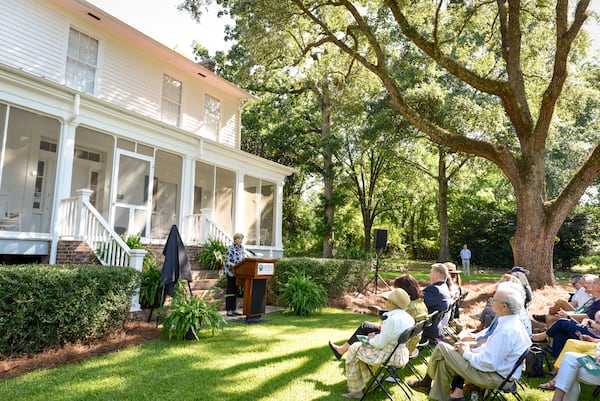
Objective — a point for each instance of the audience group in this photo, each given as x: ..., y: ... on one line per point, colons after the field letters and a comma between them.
x: 484, y: 358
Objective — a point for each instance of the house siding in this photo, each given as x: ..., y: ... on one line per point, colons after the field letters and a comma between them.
x: 43, y: 31
x: 35, y: 39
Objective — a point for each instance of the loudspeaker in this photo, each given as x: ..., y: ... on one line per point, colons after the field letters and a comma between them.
x: 380, y: 239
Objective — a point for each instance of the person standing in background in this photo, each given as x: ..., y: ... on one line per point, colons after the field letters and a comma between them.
x: 234, y: 255
x: 465, y: 256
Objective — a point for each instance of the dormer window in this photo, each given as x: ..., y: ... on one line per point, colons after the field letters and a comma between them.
x: 171, y: 100
x: 212, y: 116
x: 82, y: 62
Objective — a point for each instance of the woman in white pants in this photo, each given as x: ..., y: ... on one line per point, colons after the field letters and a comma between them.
x: 570, y: 374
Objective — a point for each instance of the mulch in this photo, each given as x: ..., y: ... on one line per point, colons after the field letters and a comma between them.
x: 139, y: 332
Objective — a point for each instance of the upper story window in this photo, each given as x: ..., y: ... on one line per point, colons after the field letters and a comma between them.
x: 171, y: 100
x: 82, y: 61
x: 212, y: 116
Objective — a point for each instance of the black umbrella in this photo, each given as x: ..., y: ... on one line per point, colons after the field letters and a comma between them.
x: 176, y: 265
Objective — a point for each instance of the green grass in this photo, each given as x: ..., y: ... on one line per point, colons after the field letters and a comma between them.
x: 284, y: 358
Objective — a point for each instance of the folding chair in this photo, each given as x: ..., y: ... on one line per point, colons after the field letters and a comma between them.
x: 395, y: 372
x: 379, y: 373
x: 508, y: 385
x: 421, y: 346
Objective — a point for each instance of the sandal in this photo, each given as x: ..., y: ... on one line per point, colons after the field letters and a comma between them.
x: 551, y: 385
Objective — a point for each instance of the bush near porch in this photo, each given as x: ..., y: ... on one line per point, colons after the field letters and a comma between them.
x: 337, y: 276
x: 47, y: 306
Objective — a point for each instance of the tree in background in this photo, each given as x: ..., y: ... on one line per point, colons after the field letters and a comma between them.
x: 498, y: 49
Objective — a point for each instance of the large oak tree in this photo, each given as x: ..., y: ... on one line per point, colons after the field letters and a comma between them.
x: 513, y: 54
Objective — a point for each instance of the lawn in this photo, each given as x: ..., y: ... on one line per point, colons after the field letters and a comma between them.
x: 284, y: 358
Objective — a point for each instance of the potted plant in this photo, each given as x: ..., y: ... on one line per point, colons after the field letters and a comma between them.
x: 212, y: 256
x: 186, y: 316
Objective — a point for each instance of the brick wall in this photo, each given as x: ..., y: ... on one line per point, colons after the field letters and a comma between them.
x: 74, y: 252
x: 77, y: 252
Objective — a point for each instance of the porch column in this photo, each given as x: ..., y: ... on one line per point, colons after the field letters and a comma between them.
x: 64, y: 171
x: 278, y: 216
x: 136, y: 261
x: 186, y: 205
x: 240, y: 195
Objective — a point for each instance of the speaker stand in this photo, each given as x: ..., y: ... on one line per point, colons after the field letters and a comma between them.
x: 376, y: 277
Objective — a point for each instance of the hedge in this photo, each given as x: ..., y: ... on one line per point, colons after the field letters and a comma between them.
x: 337, y: 276
x: 47, y: 306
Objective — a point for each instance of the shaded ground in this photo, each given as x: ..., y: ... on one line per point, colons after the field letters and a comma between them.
x: 137, y: 333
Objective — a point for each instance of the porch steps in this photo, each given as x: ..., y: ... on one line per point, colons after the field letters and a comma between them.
x: 203, y: 280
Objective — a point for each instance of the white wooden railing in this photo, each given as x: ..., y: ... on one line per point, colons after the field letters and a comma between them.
x: 78, y: 219
x: 201, y: 228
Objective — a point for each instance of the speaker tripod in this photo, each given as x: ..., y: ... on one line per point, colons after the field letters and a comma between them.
x: 375, y: 279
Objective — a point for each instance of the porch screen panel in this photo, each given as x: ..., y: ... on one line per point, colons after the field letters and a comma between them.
x: 132, y: 195
x: 224, y: 198
x: 267, y: 210
x: 165, y: 202
x: 204, y: 187
x: 251, y: 204
x: 28, y: 170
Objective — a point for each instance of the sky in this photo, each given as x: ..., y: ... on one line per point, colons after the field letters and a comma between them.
x: 161, y: 20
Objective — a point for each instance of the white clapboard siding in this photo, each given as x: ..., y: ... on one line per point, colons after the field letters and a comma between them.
x: 32, y: 38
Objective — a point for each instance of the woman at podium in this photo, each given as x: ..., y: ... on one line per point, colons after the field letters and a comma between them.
x: 234, y: 255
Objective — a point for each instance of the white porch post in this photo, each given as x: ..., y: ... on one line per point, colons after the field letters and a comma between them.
x: 64, y: 171
x: 187, y: 198
x: 136, y: 260
x: 238, y: 225
x: 204, y: 226
x: 279, y: 216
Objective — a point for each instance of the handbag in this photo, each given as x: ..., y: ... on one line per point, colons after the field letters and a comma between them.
x: 534, y: 362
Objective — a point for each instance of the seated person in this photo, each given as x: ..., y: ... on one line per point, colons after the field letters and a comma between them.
x: 579, y: 301
x: 488, y: 315
x: 570, y: 374
x: 416, y: 309
x: 585, y: 345
x: 572, y: 325
x: 380, y: 345
x: 454, y: 286
x: 485, y: 365
x: 437, y: 297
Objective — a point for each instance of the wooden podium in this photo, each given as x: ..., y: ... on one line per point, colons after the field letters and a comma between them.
x: 253, y: 273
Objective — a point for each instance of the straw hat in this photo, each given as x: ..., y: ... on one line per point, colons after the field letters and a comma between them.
x: 452, y: 268
x: 398, y: 297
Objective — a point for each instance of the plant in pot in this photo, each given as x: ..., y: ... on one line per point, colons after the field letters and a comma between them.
x: 212, y: 256
x: 185, y: 316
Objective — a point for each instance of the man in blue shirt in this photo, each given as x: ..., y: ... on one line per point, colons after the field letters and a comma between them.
x: 465, y: 256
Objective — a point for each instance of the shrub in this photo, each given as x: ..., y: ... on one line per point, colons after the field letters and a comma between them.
x: 47, y: 306
x: 302, y: 295
x: 150, y: 288
x: 213, y: 255
x: 185, y: 316
x: 337, y: 276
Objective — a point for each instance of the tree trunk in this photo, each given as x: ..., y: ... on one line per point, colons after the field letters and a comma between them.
x: 328, y: 171
x: 444, y: 254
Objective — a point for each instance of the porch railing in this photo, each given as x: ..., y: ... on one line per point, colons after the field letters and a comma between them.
x: 79, y: 219
x: 202, y: 228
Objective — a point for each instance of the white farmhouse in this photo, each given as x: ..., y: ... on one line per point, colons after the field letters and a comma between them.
x: 105, y: 131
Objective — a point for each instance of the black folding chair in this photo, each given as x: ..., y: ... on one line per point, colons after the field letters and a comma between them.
x: 396, y: 372
x: 508, y: 385
x: 380, y: 372
x: 421, y: 346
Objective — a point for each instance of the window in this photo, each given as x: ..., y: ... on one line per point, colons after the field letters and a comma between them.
x: 171, y: 100
x: 212, y: 116
x: 82, y: 61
